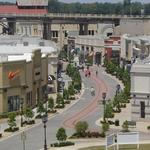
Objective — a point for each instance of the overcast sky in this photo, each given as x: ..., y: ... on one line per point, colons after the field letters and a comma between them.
x: 85, y: 1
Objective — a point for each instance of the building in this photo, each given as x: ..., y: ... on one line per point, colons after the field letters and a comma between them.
x: 24, y: 69
x: 113, y: 48
x: 134, y: 27
x: 140, y: 90
x: 133, y: 47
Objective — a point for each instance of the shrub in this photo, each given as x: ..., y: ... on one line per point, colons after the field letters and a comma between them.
x: 61, y: 144
x: 29, y: 122
x: 12, y: 120
x: 81, y: 128
x: 52, y: 111
x: 125, y: 126
x: 29, y: 114
x: 11, y: 129
x: 61, y: 135
x: 72, y: 98
x: 51, y: 103
x: 67, y: 102
x: 148, y: 127
x: 59, y: 106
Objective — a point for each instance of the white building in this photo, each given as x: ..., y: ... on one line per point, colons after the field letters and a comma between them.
x: 140, y: 90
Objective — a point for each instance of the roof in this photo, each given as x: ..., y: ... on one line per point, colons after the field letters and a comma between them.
x: 32, y: 2
x: 13, y: 9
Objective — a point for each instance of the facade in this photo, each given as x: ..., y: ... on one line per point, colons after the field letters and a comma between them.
x: 113, y: 48
x: 140, y: 90
x: 133, y: 47
x: 92, y: 46
x: 25, y: 64
x: 23, y: 79
x: 134, y: 27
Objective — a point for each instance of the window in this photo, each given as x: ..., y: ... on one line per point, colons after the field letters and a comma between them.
x: 13, y: 103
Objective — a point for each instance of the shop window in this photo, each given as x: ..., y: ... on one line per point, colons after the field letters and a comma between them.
x: 13, y: 103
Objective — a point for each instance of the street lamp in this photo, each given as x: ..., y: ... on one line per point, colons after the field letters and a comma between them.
x: 44, y: 120
x: 46, y: 96
x: 117, y: 88
x: 21, y: 106
x: 104, y: 102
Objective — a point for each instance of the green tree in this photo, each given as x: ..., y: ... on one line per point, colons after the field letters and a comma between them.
x: 105, y: 127
x: 71, y: 90
x: 60, y: 100
x: 12, y: 120
x: 29, y: 114
x: 51, y: 103
x: 109, y: 111
x: 66, y: 94
x: 61, y: 135
x: 81, y: 128
x: 40, y: 108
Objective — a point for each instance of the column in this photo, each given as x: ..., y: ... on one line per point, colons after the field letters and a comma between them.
x: 46, y: 30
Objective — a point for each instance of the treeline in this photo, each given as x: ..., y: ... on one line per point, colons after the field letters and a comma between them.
x: 127, y: 7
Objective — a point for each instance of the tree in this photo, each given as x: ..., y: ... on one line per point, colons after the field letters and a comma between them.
x: 29, y: 114
x: 81, y: 128
x: 12, y: 120
x: 109, y: 110
x: 61, y: 135
x: 60, y: 100
x: 41, y: 108
x: 66, y: 94
x: 51, y: 103
x: 71, y: 90
x: 105, y: 127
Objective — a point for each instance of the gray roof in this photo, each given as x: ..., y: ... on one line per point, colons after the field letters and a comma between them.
x: 32, y: 2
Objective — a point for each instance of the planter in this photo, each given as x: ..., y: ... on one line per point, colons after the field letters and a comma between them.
x: 11, y: 130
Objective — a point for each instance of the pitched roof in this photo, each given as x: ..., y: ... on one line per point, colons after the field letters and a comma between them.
x: 13, y: 9
x: 32, y: 2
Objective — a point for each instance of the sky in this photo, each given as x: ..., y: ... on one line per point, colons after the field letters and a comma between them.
x: 88, y: 1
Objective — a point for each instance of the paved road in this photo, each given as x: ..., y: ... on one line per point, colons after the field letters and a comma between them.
x: 85, y: 109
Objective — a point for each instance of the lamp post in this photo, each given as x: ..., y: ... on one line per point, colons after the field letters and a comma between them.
x: 46, y: 98
x: 21, y: 106
x: 104, y: 102
x: 44, y: 120
x: 117, y: 88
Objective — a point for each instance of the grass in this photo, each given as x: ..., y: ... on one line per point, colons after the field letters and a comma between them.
x: 123, y: 147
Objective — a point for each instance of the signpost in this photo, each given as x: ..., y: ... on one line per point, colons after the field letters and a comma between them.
x: 23, y: 138
x: 110, y: 141
x: 122, y: 138
x: 127, y: 139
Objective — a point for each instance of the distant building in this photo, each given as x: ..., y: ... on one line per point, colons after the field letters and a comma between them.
x: 113, y: 48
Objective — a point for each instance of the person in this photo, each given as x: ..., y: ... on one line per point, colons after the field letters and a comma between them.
x: 89, y: 73
x: 96, y: 72
x: 92, y: 91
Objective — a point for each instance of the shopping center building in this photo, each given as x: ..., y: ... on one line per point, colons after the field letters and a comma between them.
x: 24, y: 64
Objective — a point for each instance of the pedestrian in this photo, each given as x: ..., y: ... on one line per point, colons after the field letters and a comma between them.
x: 82, y: 68
x: 89, y: 73
x: 96, y: 72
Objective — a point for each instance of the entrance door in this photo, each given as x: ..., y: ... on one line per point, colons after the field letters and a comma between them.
x: 142, y: 109
x: 98, y: 58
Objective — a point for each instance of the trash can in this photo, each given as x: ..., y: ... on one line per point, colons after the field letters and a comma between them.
x: 116, y: 122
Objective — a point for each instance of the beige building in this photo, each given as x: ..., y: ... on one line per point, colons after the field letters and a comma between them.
x: 134, y: 27
x: 24, y: 69
x: 25, y: 79
x: 140, y: 90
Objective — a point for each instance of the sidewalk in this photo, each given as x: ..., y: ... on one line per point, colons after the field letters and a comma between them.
x: 4, y: 124
x: 125, y: 114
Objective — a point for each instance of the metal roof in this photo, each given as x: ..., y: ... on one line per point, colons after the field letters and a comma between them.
x: 32, y: 2
x: 13, y: 9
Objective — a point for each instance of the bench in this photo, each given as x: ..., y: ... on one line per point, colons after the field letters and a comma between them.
x: 132, y: 124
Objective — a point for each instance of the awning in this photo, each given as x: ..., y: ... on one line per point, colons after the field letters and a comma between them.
x: 51, y: 78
